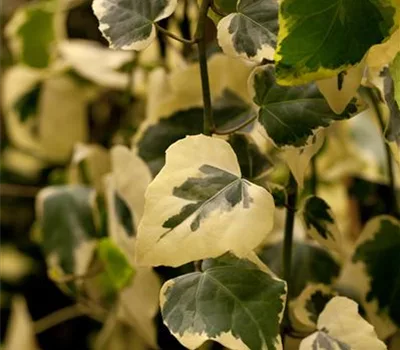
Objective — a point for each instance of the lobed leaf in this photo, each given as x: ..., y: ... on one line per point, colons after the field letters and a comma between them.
x: 251, y: 31
x: 373, y: 273
x: 232, y: 301
x: 341, y: 327
x: 129, y: 24
x: 319, y: 39
x: 198, y: 206
x: 290, y: 115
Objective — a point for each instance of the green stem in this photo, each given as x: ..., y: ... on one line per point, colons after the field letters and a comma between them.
x: 208, y: 121
x: 288, y: 243
x: 176, y: 37
x: 57, y: 317
x: 236, y: 127
x: 374, y: 103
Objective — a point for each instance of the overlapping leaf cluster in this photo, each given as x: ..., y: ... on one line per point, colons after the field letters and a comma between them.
x: 289, y: 81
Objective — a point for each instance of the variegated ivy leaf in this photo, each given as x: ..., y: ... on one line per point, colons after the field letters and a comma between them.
x: 231, y: 301
x: 251, y: 31
x: 342, y: 88
x: 320, y: 224
x: 319, y: 39
x: 198, y: 206
x: 69, y: 236
x: 310, y: 265
x: 373, y: 272
x: 95, y: 62
x: 290, y: 115
x: 298, y: 158
x: 305, y: 309
x: 341, y: 327
x: 57, y: 101
x: 129, y: 24
x: 138, y: 301
x: 125, y: 198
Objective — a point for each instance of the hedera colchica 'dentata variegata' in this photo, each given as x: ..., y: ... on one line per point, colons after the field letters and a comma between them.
x: 250, y: 252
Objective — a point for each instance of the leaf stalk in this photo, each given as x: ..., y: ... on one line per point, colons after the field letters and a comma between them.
x: 373, y: 101
x: 208, y: 121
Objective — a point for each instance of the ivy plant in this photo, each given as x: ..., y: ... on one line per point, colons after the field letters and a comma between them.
x: 218, y: 196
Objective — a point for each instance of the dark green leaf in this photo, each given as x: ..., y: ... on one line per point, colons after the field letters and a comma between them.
x: 322, y: 38
x: 290, y: 115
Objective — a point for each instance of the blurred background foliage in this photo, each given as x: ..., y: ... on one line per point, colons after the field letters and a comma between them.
x: 108, y: 111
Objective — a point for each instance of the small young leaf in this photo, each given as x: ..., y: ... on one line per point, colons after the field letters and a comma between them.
x: 251, y: 31
x: 232, y: 302
x: 319, y: 39
x: 290, y: 115
x: 117, y: 267
x: 341, y: 327
x: 321, y: 225
x: 129, y: 24
x: 198, y: 206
